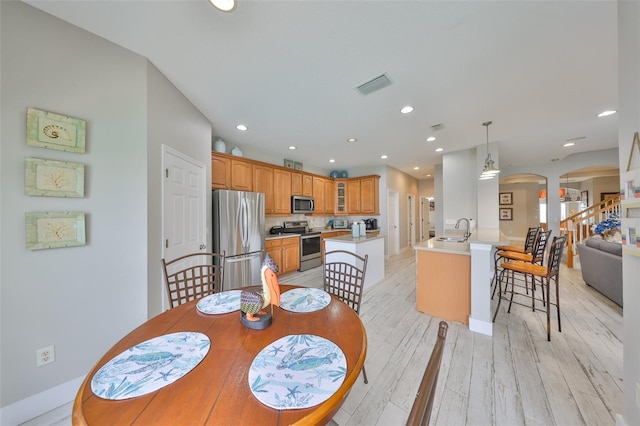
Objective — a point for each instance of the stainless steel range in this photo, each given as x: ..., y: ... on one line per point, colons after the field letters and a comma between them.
x: 310, y: 253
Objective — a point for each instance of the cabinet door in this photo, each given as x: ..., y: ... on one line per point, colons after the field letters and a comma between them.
x: 369, y: 195
x: 307, y: 185
x: 274, y: 249
x: 220, y: 172
x: 329, y: 196
x: 341, y: 197
x: 290, y: 254
x: 282, y: 191
x: 296, y: 183
x: 318, y: 194
x: 241, y: 175
x: 263, y: 182
x: 353, y: 196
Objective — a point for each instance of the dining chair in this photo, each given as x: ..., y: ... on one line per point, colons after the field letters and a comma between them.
x: 421, y: 408
x: 193, y: 276
x: 344, y: 274
x: 548, y: 275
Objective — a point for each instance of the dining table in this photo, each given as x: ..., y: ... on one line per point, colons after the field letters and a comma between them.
x: 217, y: 390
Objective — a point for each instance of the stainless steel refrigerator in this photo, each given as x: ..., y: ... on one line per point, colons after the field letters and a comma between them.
x: 238, y: 230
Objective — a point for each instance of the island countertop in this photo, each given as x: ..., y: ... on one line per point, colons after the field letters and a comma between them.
x: 351, y: 239
x: 478, y: 236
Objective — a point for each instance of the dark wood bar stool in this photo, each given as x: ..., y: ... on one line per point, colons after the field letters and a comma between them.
x: 506, y: 251
x: 548, y: 276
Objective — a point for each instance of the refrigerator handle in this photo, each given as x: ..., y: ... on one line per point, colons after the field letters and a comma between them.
x: 245, y: 224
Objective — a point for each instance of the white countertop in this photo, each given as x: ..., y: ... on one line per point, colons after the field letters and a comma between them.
x: 478, y: 236
x: 350, y: 239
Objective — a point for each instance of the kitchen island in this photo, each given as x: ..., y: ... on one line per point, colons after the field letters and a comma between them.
x: 371, y: 245
x: 453, y: 279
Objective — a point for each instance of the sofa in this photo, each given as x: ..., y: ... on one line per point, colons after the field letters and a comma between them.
x: 601, y: 263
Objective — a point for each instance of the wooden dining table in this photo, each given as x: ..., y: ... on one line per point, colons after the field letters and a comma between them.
x: 217, y: 390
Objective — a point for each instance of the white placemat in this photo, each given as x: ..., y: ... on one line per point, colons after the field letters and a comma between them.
x: 304, y: 299
x: 297, y: 371
x: 150, y: 365
x: 220, y: 303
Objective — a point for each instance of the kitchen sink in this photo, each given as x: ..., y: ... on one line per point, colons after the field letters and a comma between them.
x: 453, y: 239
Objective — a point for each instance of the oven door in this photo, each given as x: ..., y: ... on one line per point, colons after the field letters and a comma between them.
x: 309, y: 247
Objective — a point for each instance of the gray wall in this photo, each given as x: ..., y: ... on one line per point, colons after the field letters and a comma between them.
x: 81, y: 299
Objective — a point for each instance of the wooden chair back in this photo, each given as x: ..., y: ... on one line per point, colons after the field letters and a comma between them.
x: 421, y: 409
x: 344, y: 274
x: 193, y: 276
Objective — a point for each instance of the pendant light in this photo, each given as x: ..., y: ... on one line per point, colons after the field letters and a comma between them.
x: 489, y: 171
x: 567, y: 196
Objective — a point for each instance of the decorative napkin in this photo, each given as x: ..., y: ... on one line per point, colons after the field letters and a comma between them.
x: 220, y: 303
x: 304, y: 300
x: 150, y: 365
x: 297, y: 371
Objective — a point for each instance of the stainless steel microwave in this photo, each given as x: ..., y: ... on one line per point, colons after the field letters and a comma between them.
x: 301, y: 204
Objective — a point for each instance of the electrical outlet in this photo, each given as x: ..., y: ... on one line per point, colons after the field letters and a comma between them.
x: 45, y: 356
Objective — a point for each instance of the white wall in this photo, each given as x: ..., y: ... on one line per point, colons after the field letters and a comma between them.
x: 80, y: 299
x: 526, y: 209
x: 629, y: 123
x: 459, y: 186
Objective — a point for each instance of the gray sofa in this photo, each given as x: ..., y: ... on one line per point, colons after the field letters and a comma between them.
x: 601, y: 263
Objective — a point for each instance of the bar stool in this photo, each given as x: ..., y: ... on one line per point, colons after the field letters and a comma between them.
x: 500, y: 252
x: 548, y: 275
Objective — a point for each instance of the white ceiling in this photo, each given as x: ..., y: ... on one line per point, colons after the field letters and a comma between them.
x: 540, y: 70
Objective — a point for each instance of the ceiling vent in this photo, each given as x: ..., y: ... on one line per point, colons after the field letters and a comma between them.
x: 437, y: 127
x: 374, y: 84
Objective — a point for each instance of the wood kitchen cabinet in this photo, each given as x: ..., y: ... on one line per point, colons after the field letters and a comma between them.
x: 301, y: 184
x: 369, y: 203
x: 285, y: 252
x: 307, y: 185
x: 329, y: 196
x: 318, y: 195
x: 330, y: 234
x: 241, y: 175
x: 340, y: 207
x: 353, y: 196
x: 220, y: 172
x: 282, y: 185
x: 263, y: 182
x: 296, y: 183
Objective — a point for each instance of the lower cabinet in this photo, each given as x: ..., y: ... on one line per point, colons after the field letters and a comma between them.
x: 330, y: 234
x: 285, y: 252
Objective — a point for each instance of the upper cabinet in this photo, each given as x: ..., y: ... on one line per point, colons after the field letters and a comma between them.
x: 353, y: 196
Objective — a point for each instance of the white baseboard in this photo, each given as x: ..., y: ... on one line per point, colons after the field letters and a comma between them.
x: 40, y: 403
x: 482, y: 327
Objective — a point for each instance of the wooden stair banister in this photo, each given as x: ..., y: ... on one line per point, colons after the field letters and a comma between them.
x: 578, y: 226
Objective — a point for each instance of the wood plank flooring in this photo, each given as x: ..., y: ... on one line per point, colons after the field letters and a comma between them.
x: 515, y: 377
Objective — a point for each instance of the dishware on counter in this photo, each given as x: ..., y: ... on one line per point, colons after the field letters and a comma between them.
x: 363, y: 229
x: 355, y: 230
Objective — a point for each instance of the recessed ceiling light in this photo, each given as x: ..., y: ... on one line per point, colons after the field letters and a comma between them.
x: 292, y: 147
x: 384, y: 157
x: 416, y: 168
x: 606, y: 113
x: 439, y: 149
x: 406, y: 109
x: 332, y: 161
x: 352, y: 140
x: 568, y: 144
x: 224, y: 5
x: 241, y: 127
x: 431, y: 138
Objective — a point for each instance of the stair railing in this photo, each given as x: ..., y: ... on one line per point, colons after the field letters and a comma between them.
x: 579, y: 226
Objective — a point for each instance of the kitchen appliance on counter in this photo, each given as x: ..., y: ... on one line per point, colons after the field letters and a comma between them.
x: 238, y: 230
x: 371, y: 224
x: 310, y: 252
x: 276, y: 230
x: 301, y: 204
x: 340, y: 224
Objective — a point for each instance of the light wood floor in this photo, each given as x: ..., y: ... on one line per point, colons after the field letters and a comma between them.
x: 515, y: 377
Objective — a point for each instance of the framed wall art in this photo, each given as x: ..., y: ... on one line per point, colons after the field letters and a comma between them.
x: 48, y: 178
x: 506, y: 213
x: 584, y: 196
x: 288, y: 163
x: 55, y: 131
x: 45, y: 230
x: 297, y: 166
x: 506, y: 198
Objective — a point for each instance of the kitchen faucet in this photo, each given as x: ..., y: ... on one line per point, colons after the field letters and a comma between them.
x: 467, y: 233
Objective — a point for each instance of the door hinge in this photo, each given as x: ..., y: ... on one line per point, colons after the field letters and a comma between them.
x: 166, y: 243
x: 166, y: 172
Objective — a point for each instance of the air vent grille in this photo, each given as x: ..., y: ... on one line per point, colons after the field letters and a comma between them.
x: 374, y: 84
x: 437, y: 127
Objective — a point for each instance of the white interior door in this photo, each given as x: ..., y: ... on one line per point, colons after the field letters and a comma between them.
x: 411, y: 219
x: 424, y: 218
x: 393, y: 231
x: 184, y: 206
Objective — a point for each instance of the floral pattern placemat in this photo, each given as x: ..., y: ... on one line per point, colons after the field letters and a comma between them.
x: 297, y: 371
x: 220, y: 303
x: 150, y: 365
x: 304, y: 299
